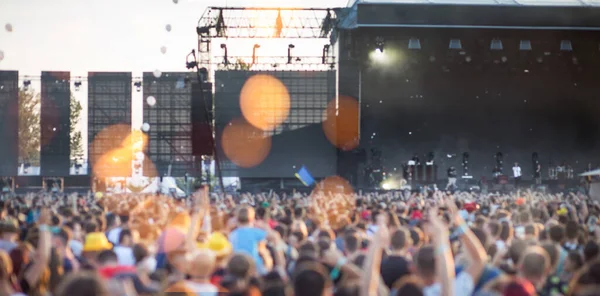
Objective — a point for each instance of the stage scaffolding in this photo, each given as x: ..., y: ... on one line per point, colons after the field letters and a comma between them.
x: 109, y: 103
x: 170, y: 134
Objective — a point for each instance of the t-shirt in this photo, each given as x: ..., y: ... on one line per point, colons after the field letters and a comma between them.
x: 463, y: 285
x: 517, y: 171
x: 393, y: 268
x: 554, y: 286
x: 113, y: 235
x: 76, y: 247
x: 7, y: 246
x: 247, y: 240
x: 202, y: 289
x: 125, y: 255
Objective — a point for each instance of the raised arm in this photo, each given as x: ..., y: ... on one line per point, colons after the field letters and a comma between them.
x: 443, y: 254
x: 42, y: 254
x: 370, y: 280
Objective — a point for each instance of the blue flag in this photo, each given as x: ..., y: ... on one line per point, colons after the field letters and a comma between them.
x: 305, y: 177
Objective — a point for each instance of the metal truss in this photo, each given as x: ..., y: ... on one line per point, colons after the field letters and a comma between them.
x: 282, y: 23
x: 280, y: 63
x: 170, y: 135
x: 109, y: 103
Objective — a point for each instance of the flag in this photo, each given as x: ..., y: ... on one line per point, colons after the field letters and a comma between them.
x: 305, y: 177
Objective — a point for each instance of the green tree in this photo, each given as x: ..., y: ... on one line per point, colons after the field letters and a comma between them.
x: 76, y: 142
x: 29, y: 126
x: 241, y: 65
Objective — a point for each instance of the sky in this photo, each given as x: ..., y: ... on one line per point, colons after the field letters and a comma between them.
x: 118, y: 35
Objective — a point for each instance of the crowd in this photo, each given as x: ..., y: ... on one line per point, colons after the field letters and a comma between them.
x: 326, y: 243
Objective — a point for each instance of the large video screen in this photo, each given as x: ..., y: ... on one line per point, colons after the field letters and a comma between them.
x: 299, y: 140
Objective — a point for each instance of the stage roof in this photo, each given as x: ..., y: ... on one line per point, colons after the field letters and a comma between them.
x: 482, y: 14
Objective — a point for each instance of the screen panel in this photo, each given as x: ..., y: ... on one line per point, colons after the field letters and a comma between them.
x: 9, y: 122
x: 299, y: 140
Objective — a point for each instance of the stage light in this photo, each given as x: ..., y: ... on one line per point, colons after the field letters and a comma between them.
x: 138, y: 86
x: 26, y: 84
x: 77, y: 85
x: 325, y: 53
x: 414, y: 43
x: 379, y: 43
x: 496, y: 44
x: 225, y: 59
x: 455, y: 44
x: 565, y: 45
x: 525, y: 45
x: 256, y: 46
x: 290, y: 47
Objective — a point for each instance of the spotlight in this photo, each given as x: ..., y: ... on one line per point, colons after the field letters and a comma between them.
x: 225, y: 59
x: 565, y: 45
x: 26, y: 84
x: 290, y: 47
x: 77, y: 85
x: 379, y: 43
x: 455, y: 44
x: 414, y: 43
x: 496, y: 44
x: 525, y: 45
x: 325, y: 53
x: 138, y: 86
x: 256, y: 46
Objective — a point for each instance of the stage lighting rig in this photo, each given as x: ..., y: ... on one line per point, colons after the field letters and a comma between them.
x: 26, y: 84
x: 77, y: 85
x: 256, y: 46
x: 225, y: 58
x: 325, y: 53
x: 290, y: 47
x: 138, y: 86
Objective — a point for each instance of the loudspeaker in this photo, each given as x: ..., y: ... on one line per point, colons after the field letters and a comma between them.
x: 202, y: 106
x: 55, y: 124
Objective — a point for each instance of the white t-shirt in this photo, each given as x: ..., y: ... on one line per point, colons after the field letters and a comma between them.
x: 202, y: 289
x: 517, y: 171
x: 113, y: 235
x: 76, y: 247
x: 125, y: 256
x: 463, y: 285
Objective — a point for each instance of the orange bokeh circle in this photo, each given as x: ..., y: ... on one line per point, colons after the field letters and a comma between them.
x: 265, y: 101
x: 334, y: 185
x: 341, y: 124
x: 114, y: 163
x: 108, y: 139
x: 244, y: 144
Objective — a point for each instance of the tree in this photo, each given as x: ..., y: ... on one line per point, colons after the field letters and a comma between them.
x: 241, y: 65
x: 29, y: 126
x: 76, y: 143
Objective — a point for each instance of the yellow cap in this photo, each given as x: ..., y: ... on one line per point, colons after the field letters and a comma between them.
x: 95, y: 242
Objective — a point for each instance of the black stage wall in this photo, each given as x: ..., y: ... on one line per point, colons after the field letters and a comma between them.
x: 109, y: 103
x: 482, y: 101
x: 9, y: 122
x: 169, y: 138
x: 299, y: 140
x: 55, y: 124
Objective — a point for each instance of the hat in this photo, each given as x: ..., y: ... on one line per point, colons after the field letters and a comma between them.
x: 520, y: 201
x: 265, y: 204
x: 95, y: 242
x: 562, y: 211
x: 218, y: 243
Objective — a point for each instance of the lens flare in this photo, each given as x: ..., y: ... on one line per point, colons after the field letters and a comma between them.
x: 115, y: 163
x: 244, y: 144
x: 265, y: 102
x: 108, y: 139
x: 341, y: 123
x: 137, y: 140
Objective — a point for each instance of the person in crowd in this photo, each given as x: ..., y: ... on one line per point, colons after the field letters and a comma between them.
x: 124, y: 249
